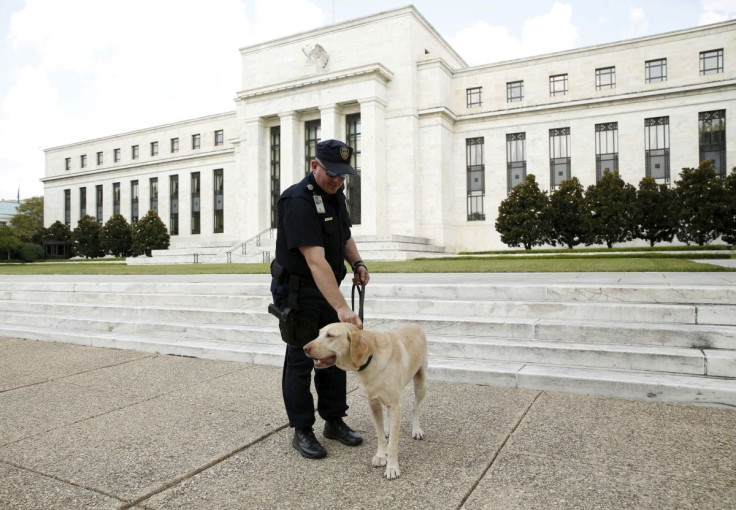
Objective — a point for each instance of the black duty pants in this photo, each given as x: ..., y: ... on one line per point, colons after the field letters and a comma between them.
x: 330, y: 383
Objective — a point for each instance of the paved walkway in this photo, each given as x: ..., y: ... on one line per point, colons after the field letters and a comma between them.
x: 91, y: 428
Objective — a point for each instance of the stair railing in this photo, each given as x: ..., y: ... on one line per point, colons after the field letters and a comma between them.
x: 242, y: 246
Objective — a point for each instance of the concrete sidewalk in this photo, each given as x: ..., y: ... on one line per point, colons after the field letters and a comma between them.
x: 84, y: 427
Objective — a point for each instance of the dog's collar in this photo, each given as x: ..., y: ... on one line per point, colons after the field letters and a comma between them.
x: 364, y: 365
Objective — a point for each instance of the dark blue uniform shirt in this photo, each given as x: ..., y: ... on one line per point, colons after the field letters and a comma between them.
x: 300, y: 224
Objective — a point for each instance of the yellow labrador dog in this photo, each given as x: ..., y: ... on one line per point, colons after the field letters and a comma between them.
x: 384, y: 362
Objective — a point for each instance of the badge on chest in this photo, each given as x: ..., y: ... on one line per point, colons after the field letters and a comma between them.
x: 319, y: 204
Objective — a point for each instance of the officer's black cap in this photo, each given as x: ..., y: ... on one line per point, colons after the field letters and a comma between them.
x: 335, y: 156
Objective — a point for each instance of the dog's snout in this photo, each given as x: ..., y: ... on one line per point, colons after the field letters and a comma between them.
x: 308, y: 348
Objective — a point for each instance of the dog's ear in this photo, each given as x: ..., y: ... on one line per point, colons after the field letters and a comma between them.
x: 358, y: 347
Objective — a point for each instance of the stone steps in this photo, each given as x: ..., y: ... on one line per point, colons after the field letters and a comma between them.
x: 666, y: 343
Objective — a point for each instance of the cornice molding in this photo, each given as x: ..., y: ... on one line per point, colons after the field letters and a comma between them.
x: 372, y: 70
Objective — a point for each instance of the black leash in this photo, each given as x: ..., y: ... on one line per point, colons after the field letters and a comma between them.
x: 361, y: 299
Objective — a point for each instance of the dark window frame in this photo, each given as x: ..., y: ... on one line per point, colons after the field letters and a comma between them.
x: 474, y: 97
x: 514, y: 91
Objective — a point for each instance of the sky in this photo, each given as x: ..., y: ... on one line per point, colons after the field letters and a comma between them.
x: 76, y: 70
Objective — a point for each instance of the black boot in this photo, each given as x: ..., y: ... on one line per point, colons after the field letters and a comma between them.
x: 306, y: 444
x: 336, y: 429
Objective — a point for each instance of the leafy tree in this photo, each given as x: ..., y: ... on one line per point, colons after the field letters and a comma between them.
x: 59, y: 233
x: 703, y: 204
x: 116, y: 236
x: 149, y: 233
x: 729, y: 223
x: 568, y: 213
x: 523, y: 218
x: 610, y: 204
x: 86, y: 238
x: 656, y: 211
x: 28, y: 223
x: 9, y: 241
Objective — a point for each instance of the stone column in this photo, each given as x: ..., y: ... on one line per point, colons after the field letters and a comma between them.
x: 292, y: 149
x: 375, y: 206
x: 332, y: 122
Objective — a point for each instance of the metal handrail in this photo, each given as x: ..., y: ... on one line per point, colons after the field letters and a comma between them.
x: 242, y: 245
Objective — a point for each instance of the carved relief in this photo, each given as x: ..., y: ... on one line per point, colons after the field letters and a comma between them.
x: 316, y: 56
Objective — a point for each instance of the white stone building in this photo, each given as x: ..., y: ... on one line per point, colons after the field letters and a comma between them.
x: 439, y: 144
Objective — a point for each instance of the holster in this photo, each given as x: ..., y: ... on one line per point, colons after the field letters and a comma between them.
x: 296, y: 328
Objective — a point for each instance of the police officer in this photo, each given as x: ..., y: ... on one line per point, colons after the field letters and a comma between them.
x: 312, y: 244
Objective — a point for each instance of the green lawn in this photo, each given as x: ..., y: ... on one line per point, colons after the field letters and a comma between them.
x: 543, y: 264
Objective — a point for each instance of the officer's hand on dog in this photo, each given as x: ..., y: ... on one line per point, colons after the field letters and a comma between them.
x: 347, y: 315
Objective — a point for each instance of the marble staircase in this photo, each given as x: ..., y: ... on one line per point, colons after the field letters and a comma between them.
x: 652, y: 342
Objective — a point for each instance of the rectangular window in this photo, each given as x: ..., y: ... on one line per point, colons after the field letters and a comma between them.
x: 514, y: 91
x: 153, y: 188
x: 657, y: 148
x: 174, y: 205
x: 605, y: 78
x: 67, y: 207
x: 196, y: 140
x: 559, y: 156
x: 98, y: 202
x: 219, y: 189
x: 712, y: 136
x: 195, y: 203
x: 219, y: 137
x: 83, y: 160
x: 655, y: 70
x: 133, y: 201
x: 99, y: 158
x: 275, y: 174
x: 558, y: 85
x: 606, y: 149
x: 68, y: 163
x: 116, y: 198
x: 476, y: 183
x: 174, y: 145
x: 515, y: 159
x: 711, y: 62
x: 116, y: 155
x: 134, y: 152
x: 473, y: 97
x: 352, y: 183
x: 312, y: 130
x: 154, y: 148
x: 82, y: 202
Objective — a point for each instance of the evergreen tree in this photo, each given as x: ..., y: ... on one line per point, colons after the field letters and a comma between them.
x: 729, y: 223
x: 656, y: 212
x: 86, y: 238
x: 59, y: 233
x: 568, y: 213
x: 703, y: 204
x: 116, y: 236
x: 149, y: 233
x: 610, y: 205
x: 523, y: 218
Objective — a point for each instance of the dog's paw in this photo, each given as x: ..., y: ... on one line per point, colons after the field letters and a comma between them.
x: 379, y: 461
x: 392, y: 472
x: 417, y: 433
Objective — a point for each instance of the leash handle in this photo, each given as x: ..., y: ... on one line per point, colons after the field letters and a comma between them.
x: 361, y: 299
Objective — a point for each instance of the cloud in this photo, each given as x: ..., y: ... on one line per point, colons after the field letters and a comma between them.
x: 638, y: 25
x: 86, y: 68
x: 715, y: 11
x: 483, y: 43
